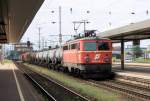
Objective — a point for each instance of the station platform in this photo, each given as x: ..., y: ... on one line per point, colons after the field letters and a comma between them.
x: 14, y: 86
x: 137, y: 70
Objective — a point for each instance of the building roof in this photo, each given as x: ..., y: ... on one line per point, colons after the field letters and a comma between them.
x: 15, y: 17
x: 135, y: 31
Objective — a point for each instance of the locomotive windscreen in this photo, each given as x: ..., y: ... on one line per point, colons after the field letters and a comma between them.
x: 103, y: 46
x: 90, y: 46
x: 96, y: 46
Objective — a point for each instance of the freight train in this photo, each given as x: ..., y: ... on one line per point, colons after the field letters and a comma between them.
x: 89, y: 57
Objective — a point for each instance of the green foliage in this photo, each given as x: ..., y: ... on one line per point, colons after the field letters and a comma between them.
x: 139, y: 60
x: 74, y: 83
x: 128, y: 53
x: 137, y: 51
x: 117, y: 56
x: 13, y: 55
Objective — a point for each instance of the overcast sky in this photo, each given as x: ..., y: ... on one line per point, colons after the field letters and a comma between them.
x: 102, y: 14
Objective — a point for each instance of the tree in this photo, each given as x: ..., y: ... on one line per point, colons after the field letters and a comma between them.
x: 137, y: 51
x: 13, y: 55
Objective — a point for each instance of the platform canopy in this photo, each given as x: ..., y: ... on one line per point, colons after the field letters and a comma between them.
x: 15, y: 17
x: 134, y: 31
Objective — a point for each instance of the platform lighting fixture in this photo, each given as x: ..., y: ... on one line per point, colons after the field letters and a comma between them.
x: 109, y: 23
x: 147, y: 12
x: 71, y: 10
x: 60, y: 33
x: 53, y: 22
x: 52, y: 11
x: 88, y: 11
x: 132, y: 12
x: 109, y: 12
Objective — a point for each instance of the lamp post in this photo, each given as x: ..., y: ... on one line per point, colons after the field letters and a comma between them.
x: 60, y: 32
x: 39, y: 29
x: 110, y: 18
x: 133, y: 13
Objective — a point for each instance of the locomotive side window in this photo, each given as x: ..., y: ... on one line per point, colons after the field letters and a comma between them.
x: 103, y: 46
x: 78, y: 46
x: 73, y: 46
x: 65, y: 47
x: 90, y: 46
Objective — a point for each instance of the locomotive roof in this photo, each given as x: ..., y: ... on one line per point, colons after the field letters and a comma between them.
x: 88, y: 38
x: 93, y: 38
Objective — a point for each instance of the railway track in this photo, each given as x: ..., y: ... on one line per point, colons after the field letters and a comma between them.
x: 145, y: 83
x: 137, y: 92
x: 52, y: 89
x: 138, y: 89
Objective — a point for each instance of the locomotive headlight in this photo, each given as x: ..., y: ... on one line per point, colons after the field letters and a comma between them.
x: 87, y: 58
x: 106, y: 60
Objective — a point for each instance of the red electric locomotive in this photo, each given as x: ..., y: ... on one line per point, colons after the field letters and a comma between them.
x: 25, y: 57
x: 89, y: 56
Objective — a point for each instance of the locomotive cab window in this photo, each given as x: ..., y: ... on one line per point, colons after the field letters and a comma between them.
x: 73, y: 46
x: 90, y: 46
x: 65, y: 47
x: 103, y: 46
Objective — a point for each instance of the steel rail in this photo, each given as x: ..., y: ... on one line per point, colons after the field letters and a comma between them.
x: 50, y: 97
x: 53, y: 81
x: 124, y: 88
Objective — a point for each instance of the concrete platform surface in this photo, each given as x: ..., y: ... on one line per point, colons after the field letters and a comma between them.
x: 133, y: 64
x: 139, y: 70
x: 14, y: 86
